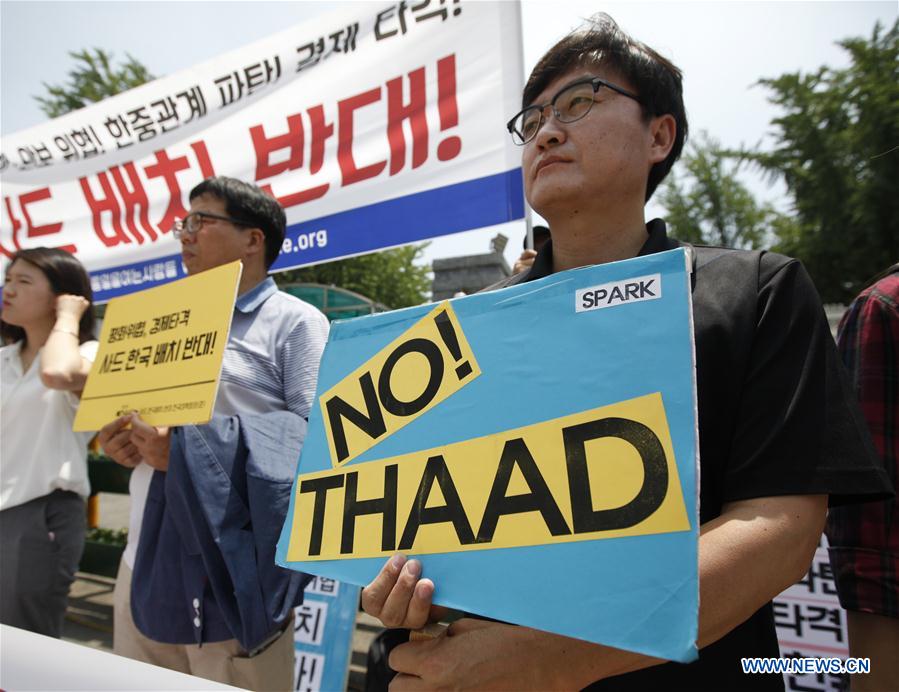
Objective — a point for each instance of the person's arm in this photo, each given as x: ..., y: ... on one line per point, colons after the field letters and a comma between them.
x: 62, y: 365
x: 748, y: 555
x: 300, y: 358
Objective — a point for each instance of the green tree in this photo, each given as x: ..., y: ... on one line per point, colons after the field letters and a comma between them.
x: 836, y: 146
x: 391, y: 277
x: 705, y: 202
x: 93, y: 78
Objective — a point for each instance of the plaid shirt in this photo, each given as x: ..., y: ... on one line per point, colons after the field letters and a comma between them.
x: 864, y: 538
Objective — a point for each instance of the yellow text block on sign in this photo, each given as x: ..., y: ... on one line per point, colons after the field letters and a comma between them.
x: 604, y: 473
x: 161, y: 352
x: 426, y: 364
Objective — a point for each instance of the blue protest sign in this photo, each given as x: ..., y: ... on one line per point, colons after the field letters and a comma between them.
x: 323, y: 635
x: 534, y: 447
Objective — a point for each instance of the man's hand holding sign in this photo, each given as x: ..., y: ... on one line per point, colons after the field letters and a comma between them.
x: 129, y: 440
x: 159, y: 362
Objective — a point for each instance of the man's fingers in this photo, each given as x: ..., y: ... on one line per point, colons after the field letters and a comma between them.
x: 110, y: 429
x: 140, y: 437
x: 375, y: 594
x: 406, y: 683
x: 144, y: 446
x: 464, y: 625
x: 131, y: 458
x: 122, y: 449
x: 146, y: 434
x: 142, y: 429
x: 113, y: 444
x: 396, y: 611
x: 419, y: 611
x: 397, y: 596
x: 407, y: 658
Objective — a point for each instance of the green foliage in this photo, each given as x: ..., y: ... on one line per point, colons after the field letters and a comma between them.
x: 93, y: 78
x: 836, y: 146
x: 706, y: 203
x: 108, y: 536
x: 390, y: 277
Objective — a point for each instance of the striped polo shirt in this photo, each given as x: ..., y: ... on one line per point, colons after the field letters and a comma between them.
x: 274, y: 348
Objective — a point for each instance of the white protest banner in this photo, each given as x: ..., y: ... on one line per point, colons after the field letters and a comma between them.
x: 374, y: 126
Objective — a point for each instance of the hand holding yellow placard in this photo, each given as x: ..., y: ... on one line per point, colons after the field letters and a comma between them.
x: 161, y: 352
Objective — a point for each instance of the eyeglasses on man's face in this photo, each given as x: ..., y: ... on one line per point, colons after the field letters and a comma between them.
x: 571, y: 103
x: 191, y: 224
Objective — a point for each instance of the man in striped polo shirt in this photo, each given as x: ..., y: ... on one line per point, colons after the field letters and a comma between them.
x: 270, y: 365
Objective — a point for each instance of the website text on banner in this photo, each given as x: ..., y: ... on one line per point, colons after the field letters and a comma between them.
x: 436, y: 433
x: 161, y: 352
x: 374, y: 126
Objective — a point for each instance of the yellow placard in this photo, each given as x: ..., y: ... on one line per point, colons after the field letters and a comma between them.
x: 161, y: 352
x: 426, y: 364
x: 604, y: 473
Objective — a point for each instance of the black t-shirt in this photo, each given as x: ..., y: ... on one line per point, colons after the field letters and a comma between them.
x: 776, y: 417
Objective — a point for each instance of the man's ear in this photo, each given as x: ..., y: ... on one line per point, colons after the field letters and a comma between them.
x: 662, y: 129
x: 255, y: 242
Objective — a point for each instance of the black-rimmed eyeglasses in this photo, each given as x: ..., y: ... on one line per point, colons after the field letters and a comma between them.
x: 192, y: 223
x: 571, y: 103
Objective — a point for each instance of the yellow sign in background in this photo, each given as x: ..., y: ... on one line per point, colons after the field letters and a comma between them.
x: 426, y: 364
x: 603, y: 473
x: 161, y: 352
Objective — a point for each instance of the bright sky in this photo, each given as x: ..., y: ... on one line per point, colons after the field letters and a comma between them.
x: 723, y: 48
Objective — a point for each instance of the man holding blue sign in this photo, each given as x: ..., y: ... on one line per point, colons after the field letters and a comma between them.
x: 602, y: 124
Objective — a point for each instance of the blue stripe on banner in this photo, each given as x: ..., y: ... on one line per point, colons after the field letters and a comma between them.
x: 465, y: 206
x: 461, y: 207
x: 129, y: 278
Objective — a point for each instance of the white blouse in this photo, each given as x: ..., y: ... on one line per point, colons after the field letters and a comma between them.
x: 39, y: 453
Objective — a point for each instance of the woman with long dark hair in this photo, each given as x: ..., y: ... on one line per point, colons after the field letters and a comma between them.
x: 47, y: 325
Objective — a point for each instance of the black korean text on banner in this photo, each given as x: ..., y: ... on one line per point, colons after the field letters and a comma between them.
x: 604, y: 473
x: 429, y: 362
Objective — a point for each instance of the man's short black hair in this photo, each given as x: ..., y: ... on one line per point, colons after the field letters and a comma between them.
x: 657, y: 80
x: 248, y: 203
